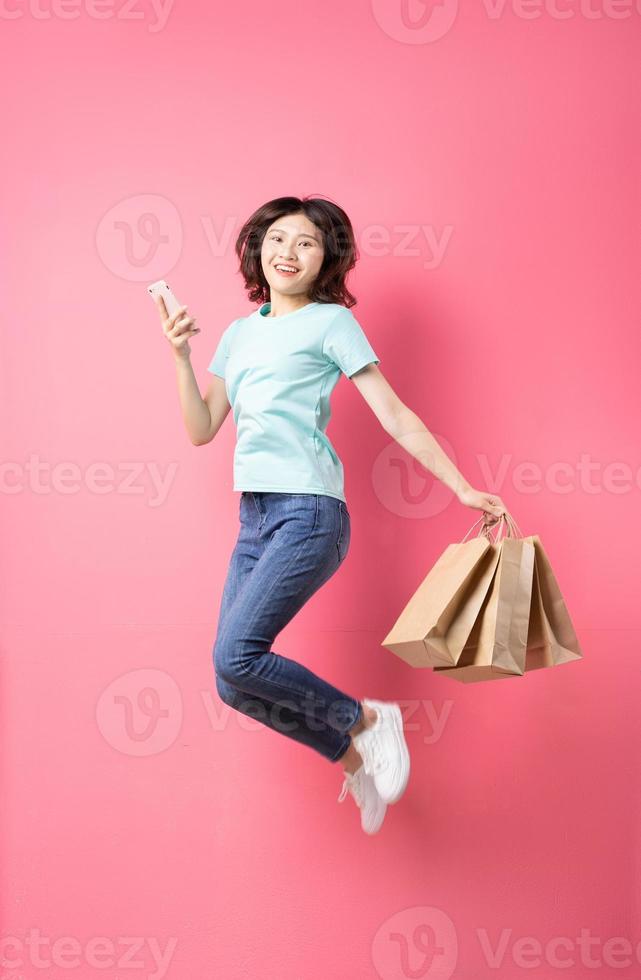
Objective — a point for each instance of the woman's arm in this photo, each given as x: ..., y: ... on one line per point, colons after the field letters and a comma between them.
x: 203, y: 417
x: 406, y: 428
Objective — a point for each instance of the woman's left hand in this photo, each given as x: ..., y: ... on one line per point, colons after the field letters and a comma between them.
x: 490, y: 503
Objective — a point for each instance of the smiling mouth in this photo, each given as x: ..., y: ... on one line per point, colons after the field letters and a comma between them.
x: 286, y: 270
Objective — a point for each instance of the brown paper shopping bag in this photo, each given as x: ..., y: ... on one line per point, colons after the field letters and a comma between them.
x: 551, y: 636
x: 496, y: 647
x: 436, y: 622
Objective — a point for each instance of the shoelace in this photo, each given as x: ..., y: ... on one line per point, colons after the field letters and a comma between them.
x: 351, y: 783
x: 371, y: 752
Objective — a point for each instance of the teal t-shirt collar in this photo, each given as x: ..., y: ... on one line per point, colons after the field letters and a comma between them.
x: 266, y: 308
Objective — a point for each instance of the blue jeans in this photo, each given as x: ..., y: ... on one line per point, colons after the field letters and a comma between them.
x: 289, y: 544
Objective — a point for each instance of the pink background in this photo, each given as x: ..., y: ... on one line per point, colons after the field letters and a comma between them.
x: 135, y: 803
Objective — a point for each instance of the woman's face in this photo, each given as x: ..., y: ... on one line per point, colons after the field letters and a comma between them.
x: 294, y: 241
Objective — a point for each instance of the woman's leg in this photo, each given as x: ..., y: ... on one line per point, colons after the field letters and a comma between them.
x: 288, y: 546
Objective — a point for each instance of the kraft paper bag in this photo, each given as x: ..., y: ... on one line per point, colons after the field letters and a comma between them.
x: 497, y: 645
x: 551, y: 636
x: 436, y: 622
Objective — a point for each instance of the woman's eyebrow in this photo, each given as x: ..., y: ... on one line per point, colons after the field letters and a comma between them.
x: 303, y: 234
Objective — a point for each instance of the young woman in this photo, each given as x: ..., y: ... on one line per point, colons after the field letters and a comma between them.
x: 276, y: 368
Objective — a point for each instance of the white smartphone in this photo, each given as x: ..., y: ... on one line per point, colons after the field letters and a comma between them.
x: 161, y: 288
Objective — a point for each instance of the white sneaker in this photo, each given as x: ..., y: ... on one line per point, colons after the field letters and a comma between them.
x: 361, y: 785
x: 384, y: 750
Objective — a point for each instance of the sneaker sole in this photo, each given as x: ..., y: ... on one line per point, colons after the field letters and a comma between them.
x: 377, y: 822
x: 376, y: 827
x: 394, y: 711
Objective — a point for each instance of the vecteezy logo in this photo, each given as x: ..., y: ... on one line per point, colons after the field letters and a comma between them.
x: 418, y: 943
x: 415, y: 21
x: 140, y: 713
x: 140, y: 238
x: 407, y: 486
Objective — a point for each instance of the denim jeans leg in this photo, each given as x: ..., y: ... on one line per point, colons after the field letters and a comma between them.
x: 271, y: 704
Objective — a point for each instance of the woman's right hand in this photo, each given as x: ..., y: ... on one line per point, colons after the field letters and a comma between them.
x: 177, y: 328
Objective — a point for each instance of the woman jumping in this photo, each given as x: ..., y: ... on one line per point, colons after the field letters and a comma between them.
x: 276, y: 368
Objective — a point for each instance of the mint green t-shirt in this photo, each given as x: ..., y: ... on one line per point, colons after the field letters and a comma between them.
x: 279, y: 375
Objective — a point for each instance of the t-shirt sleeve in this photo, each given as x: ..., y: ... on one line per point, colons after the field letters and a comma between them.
x: 218, y: 361
x: 346, y: 345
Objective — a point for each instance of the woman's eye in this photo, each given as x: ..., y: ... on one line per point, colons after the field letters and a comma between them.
x: 276, y: 238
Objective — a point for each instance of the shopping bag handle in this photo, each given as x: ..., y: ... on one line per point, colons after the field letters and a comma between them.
x: 511, y: 528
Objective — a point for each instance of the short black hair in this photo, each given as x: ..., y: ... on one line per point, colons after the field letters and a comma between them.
x: 339, y: 244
